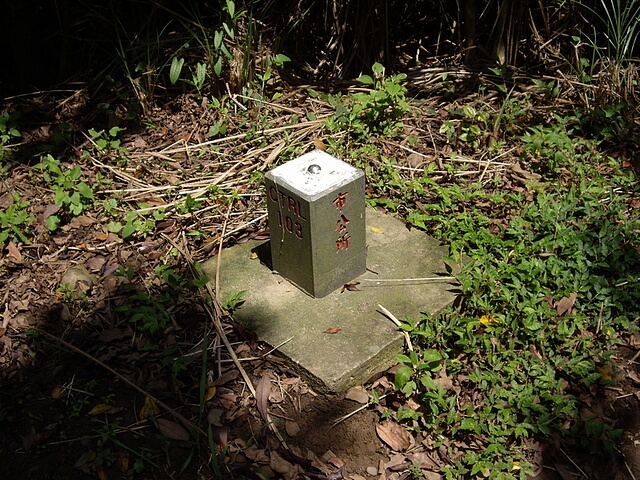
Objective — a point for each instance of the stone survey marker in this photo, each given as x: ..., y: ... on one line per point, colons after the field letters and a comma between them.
x: 317, y: 221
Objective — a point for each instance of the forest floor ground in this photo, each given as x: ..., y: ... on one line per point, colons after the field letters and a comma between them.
x: 72, y: 350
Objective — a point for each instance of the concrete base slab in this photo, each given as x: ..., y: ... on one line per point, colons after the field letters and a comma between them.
x: 398, y: 259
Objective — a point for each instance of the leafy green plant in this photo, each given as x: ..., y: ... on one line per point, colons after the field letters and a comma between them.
x: 188, y: 205
x: 617, y: 34
x: 550, y: 147
x: 216, y: 44
x: 198, y: 75
x: 8, y: 132
x: 107, y: 140
x: 137, y: 224
x: 149, y: 314
x: 276, y: 61
x: 376, y: 112
x: 15, y: 221
x: 470, y: 130
x: 234, y: 301
x: 71, y: 193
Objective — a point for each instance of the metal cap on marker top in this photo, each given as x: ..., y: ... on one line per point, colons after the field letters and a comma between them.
x: 316, y: 212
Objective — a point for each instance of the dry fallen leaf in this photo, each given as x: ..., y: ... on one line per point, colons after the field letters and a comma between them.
x: 102, y: 474
x: 149, y: 409
x: 210, y: 392
x: 565, y: 304
x: 333, y: 330
x: 424, y: 459
x: 357, y: 394
x: 56, y: 393
x: 6, y: 200
x: 220, y: 436
x: 226, y: 377
x: 292, y: 428
x: 171, y: 429
x: 396, y: 463
x: 396, y: 437
x: 352, y: 287
x: 85, y: 460
x: 122, y: 460
x: 100, y: 409
x: 14, y: 252
x: 319, y: 144
x: 280, y: 465
x: 29, y: 439
x: 377, y: 230
x: 263, y: 389
x: 95, y: 264
x: 214, y: 417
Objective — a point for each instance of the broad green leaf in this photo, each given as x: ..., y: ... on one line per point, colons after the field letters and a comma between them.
x: 85, y: 190
x: 52, y: 222
x: 432, y: 356
x: 217, y: 39
x: 403, y: 374
x: 201, y: 281
x: 404, y: 359
x: 175, y: 70
x: 128, y: 230
x: 366, y: 79
x: 217, y: 67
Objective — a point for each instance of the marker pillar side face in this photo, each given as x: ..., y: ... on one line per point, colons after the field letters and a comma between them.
x: 317, y: 221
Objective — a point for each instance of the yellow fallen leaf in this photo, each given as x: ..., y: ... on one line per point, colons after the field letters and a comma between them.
x: 605, y: 373
x: 211, y: 391
x: 99, y: 409
x: 57, y: 392
x: 490, y: 320
x: 122, y: 460
x: 377, y: 230
x: 149, y: 409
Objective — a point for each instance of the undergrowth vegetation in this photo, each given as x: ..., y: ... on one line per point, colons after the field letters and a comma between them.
x: 549, y: 286
x: 531, y: 182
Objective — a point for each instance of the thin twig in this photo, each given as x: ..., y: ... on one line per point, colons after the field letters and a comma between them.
x: 574, y: 464
x: 398, y: 323
x: 403, y: 281
x: 318, y: 122
x: 633, y: 477
x: 124, y: 379
x: 359, y: 409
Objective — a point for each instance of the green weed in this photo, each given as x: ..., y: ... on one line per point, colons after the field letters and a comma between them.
x: 71, y: 193
x: 15, y: 221
x: 137, y: 224
x: 376, y: 112
x: 8, y: 133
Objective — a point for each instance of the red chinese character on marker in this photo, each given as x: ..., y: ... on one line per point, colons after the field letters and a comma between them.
x: 342, y: 243
x: 341, y: 200
x: 341, y: 225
